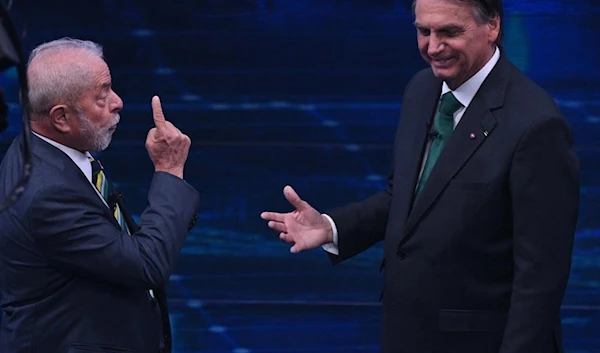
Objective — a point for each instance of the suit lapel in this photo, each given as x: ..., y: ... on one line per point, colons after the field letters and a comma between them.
x: 414, y: 138
x: 54, y: 156
x: 59, y: 159
x: 478, y: 120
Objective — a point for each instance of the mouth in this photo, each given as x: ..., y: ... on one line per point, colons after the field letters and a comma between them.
x: 113, y: 128
x: 442, y: 63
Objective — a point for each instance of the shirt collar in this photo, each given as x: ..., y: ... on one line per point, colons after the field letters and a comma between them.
x: 79, y: 158
x: 466, y: 92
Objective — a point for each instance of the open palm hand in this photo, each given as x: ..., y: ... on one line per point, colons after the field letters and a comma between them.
x: 304, y: 227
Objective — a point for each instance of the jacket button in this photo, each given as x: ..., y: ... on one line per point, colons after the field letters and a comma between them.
x: 401, y: 254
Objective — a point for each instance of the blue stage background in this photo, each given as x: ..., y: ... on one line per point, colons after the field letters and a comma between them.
x: 306, y: 93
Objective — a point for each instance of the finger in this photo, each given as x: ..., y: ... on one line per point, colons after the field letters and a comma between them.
x: 272, y: 216
x: 151, y: 133
x: 150, y: 137
x: 294, y: 199
x: 286, y: 238
x: 172, y: 128
x: 278, y: 226
x: 158, y: 115
x: 186, y: 142
x: 296, y: 248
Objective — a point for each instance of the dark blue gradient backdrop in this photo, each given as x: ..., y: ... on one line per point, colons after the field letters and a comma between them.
x: 306, y: 93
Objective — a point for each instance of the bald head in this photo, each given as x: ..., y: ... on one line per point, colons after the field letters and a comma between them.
x: 59, y: 72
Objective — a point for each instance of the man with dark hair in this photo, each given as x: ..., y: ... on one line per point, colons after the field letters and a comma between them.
x: 77, y: 274
x: 479, y: 213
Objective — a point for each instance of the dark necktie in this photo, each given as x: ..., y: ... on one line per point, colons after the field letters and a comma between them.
x: 443, y: 125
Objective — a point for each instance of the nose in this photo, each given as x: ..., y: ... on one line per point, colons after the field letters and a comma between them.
x: 435, y: 46
x: 117, y: 103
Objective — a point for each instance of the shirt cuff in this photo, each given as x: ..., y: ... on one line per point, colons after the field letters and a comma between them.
x: 333, y: 246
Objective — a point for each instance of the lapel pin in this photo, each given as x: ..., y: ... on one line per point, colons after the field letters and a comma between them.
x: 472, y: 136
x: 485, y: 133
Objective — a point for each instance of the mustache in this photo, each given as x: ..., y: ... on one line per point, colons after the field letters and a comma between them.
x: 116, y: 118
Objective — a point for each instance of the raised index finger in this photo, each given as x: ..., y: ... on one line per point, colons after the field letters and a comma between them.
x: 157, y: 114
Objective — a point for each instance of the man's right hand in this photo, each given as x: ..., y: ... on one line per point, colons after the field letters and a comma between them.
x: 167, y: 146
x: 305, y: 227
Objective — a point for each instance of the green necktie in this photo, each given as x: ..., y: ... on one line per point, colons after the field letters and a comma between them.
x: 443, y: 124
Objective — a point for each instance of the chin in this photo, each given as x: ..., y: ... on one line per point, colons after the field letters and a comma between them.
x: 105, y: 146
x: 447, y: 75
x: 101, y: 146
x: 442, y: 73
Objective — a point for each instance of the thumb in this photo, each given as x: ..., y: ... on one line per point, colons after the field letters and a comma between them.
x: 294, y: 199
x: 157, y: 113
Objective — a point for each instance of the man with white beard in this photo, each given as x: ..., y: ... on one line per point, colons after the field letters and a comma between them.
x: 77, y: 274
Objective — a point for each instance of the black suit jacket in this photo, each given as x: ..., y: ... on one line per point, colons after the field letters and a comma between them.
x: 70, y: 280
x: 480, y: 262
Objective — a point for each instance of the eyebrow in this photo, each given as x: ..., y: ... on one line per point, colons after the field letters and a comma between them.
x: 450, y: 28
x: 446, y: 28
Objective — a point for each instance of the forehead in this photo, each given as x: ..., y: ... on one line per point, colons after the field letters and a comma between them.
x: 438, y: 13
x: 99, y: 69
x: 99, y: 74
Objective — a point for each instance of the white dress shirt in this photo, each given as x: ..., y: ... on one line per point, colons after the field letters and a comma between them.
x: 464, y: 94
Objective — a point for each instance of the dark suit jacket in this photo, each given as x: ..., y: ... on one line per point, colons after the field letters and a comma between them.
x: 71, y: 281
x: 480, y: 262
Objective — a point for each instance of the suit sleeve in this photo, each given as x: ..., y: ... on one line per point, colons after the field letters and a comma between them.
x: 362, y: 224
x: 544, y: 182
x: 77, y: 236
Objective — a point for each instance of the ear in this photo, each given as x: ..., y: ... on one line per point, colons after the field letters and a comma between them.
x: 494, y: 29
x: 62, y: 118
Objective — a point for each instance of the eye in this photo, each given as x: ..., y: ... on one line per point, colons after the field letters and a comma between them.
x: 454, y: 32
x: 451, y: 31
x: 424, y: 31
x: 101, y: 100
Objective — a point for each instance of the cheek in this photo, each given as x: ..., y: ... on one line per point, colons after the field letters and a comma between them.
x: 459, y: 48
x: 100, y: 117
x: 477, y: 46
x: 105, y: 123
x: 422, y: 43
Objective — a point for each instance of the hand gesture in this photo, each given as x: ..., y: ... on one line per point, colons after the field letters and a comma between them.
x: 305, y: 227
x: 167, y: 147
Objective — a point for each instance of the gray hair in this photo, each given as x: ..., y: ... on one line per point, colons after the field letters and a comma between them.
x: 56, y: 77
